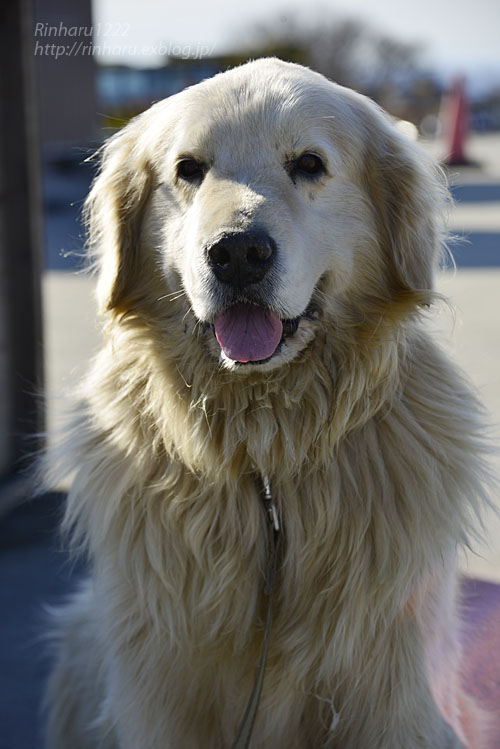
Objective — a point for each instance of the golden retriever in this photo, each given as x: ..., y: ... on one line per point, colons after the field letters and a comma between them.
x: 265, y: 244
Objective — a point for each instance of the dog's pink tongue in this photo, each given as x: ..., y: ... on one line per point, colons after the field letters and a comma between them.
x: 248, y: 333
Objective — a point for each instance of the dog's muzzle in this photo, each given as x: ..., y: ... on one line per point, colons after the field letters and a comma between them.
x: 247, y: 328
x: 242, y: 259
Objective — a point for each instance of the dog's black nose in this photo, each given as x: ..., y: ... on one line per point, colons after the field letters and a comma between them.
x: 242, y: 259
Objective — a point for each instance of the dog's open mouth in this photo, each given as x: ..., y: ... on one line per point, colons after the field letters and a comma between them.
x: 251, y: 334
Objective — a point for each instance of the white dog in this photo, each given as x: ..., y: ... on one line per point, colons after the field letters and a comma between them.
x: 265, y: 243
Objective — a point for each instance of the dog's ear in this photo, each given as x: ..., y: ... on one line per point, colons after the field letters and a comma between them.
x: 408, y: 195
x: 113, y: 213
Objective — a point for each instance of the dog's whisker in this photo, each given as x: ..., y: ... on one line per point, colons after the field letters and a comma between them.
x: 173, y: 296
x: 198, y: 325
x: 188, y: 312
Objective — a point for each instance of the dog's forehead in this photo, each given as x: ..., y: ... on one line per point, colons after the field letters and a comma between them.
x: 268, y: 111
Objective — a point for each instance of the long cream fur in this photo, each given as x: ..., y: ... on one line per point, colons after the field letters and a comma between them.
x: 371, y: 439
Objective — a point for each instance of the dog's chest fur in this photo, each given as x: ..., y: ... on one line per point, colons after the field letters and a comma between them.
x: 167, y: 501
x: 180, y: 482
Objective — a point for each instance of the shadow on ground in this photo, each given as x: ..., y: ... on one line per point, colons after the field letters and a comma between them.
x: 35, y: 572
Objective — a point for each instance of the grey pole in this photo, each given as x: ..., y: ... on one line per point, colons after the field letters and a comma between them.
x: 21, y: 362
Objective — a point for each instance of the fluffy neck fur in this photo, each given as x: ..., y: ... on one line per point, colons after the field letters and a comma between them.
x: 189, y: 423
x: 218, y: 423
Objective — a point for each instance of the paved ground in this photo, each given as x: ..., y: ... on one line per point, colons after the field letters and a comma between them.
x: 34, y: 573
x: 474, y: 337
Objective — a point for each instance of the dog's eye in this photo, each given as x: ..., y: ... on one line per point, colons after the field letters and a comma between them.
x: 308, y: 165
x: 190, y: 170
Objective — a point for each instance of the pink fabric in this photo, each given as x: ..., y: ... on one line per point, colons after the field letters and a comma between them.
x: 481, y: 658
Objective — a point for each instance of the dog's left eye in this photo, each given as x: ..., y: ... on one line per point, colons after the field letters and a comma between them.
x: 308, y: 165
x: 190, y: 170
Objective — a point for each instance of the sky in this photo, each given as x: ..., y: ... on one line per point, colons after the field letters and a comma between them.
x: 457, y: 35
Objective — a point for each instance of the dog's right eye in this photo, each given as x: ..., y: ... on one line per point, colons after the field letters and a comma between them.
x: 190, y: 170
x: 308, y: 166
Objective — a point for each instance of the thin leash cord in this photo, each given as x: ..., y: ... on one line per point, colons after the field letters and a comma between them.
x: 244, y: 734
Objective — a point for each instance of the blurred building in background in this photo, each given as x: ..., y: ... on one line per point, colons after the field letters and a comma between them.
x: 122, y: 91
x: 348, y: 52
x: 65, y: 71
x: 81, y: 99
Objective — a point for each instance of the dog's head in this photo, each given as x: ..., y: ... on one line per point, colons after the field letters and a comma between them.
x: 262, y: 202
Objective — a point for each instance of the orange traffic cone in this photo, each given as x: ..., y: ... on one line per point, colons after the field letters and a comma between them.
x: 456, y: 124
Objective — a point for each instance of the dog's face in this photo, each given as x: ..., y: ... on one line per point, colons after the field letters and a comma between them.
x: 250, y: 184
x: 273, y: 199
